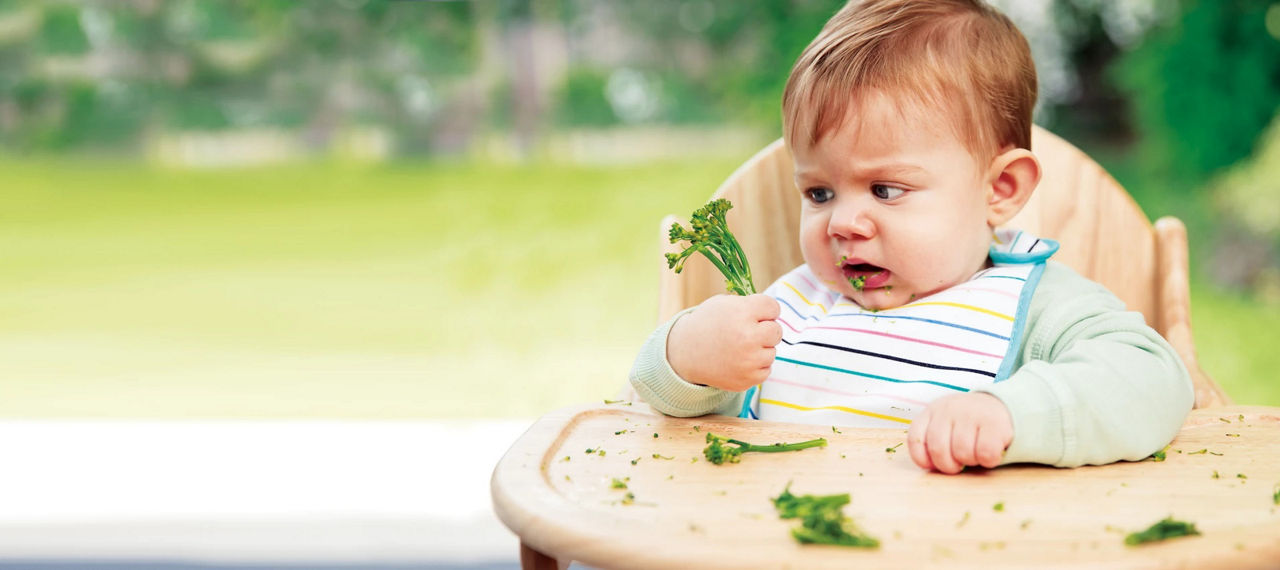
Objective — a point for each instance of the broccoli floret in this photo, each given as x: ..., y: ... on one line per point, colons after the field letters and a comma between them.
x: 721, y: 449
x: 709, y: 234
x: 1163, y: 530
x: 718, y: 453
x: 821, y: 519
x: 791, y: 506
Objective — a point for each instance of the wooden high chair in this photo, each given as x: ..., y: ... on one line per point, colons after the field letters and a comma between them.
x: 1104, y: 236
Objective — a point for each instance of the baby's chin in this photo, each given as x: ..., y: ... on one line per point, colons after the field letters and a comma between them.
x: 877, y: 299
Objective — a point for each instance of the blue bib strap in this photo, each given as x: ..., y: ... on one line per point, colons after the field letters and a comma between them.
x: 1010, y: 248
x: 748, y: 404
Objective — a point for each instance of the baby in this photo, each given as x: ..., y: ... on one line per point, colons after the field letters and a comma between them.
x: 910, y: 126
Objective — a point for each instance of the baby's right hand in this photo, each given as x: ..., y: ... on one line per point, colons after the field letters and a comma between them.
x: 728, y: 341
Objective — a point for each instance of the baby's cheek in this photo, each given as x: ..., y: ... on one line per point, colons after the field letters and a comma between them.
x: 818, y: 260
x: 827, y: 275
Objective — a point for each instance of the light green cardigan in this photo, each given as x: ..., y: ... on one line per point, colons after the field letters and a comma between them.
x: 1093, y: 384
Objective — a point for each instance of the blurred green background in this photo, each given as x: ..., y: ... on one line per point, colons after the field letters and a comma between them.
x: 374, y: 209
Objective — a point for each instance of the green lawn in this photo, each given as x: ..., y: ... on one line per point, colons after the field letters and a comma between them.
x: 425, y: 290
x: 1237, y: 341
x: 399, y: 291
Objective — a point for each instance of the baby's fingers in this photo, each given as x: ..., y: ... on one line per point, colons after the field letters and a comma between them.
x: 770, y: 333
x: 964, y: 443
x: 990, y: 448
x: 938, y: 440
x: 915, y: 441
x: 762, y: 307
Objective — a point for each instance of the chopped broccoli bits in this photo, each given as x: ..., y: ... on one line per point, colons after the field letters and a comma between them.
x: 1163, y: 530
x: 821, y: 519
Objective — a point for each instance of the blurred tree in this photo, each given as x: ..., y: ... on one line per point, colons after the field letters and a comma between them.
x: 581, y: 102
x: 78, y: 74
x: 60, y: 32
x: 1093, y: 111
x: 516, y: 19
x: 1204, y: 85
x: 703, y: 60
x: 723, y: 60
x: 757, y: 43
x: 1248, y: 195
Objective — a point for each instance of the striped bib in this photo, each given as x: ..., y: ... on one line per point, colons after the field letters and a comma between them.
x: 840, y: 364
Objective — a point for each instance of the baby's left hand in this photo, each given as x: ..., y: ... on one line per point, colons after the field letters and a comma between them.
x: 973, y: 428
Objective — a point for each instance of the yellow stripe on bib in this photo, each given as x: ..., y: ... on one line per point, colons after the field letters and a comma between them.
x: 963, y: 306
x: 803, y: 298
x: 836, y: 408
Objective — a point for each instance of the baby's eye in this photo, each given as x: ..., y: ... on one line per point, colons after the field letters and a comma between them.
x: 819, y: 195
x: 886, y: 192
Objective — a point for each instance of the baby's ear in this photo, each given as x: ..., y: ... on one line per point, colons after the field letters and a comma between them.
x: 1012, y: 177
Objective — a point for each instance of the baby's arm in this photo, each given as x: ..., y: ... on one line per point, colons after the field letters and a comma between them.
x: 700, y: 361
x: 1095, y: 385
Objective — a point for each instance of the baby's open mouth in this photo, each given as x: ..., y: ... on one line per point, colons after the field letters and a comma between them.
x: 857, y: 268
x: 864, y: 275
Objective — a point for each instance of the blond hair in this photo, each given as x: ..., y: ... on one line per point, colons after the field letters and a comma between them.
x: 961, y: 56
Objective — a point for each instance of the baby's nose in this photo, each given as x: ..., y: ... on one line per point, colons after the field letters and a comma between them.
x: 850, y: 222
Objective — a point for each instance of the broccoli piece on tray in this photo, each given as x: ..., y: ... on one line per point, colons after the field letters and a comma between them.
x: 721, y: 449
x: 709, y: 235
x: 1165, y: 529
x: 821, y: 519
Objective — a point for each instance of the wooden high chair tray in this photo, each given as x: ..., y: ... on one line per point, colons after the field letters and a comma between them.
x: 554, y: 489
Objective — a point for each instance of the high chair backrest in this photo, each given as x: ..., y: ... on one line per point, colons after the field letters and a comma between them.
x: 1103, y: 235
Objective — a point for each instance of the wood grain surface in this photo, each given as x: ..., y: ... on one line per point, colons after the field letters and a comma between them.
x: 559, y: 498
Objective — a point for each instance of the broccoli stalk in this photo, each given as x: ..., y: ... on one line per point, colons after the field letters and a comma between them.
x: 721, y: 449
x: 709, y: 235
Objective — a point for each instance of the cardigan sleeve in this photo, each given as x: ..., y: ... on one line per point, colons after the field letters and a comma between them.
x: 1093, y: 384
x: 664, y: 390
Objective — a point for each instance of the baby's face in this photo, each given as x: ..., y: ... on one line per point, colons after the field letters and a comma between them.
x: 894, y: 207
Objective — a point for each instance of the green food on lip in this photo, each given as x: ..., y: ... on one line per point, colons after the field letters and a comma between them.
x: 860, y: 282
